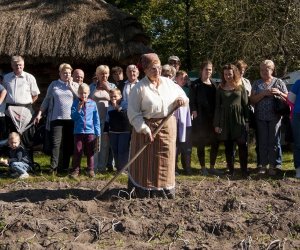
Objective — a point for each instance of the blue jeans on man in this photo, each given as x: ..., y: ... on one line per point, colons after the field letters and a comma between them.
x: 119, y: 143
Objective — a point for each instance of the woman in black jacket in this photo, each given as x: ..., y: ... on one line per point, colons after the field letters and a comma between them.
x: 202, y: 102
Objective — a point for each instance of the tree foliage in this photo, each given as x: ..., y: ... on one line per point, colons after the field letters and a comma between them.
x: 222, y: 30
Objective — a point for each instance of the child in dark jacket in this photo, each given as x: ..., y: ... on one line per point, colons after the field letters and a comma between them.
x: 119, y: 128
x: 19, y: 161
x: 86, y: 130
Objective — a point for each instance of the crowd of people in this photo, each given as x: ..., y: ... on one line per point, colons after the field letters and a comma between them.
x: 110, y: 120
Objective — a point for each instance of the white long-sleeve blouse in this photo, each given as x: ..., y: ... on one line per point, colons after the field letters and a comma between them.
x: 147, y: 101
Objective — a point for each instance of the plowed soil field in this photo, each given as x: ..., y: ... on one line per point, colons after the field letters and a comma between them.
x: 213, y: 213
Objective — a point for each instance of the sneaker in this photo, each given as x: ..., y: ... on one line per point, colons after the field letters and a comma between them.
x: 74, y: 175
x: 91, y: 173
x: 261, y: 170
x: 272, y: 171
x: 24, y: 176
x: 204, y: 172
x: 298, y: 173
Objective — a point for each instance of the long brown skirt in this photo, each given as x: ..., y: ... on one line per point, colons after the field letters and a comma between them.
x: 154, y: 169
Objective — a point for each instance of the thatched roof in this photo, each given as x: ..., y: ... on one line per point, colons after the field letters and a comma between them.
x: 70, y: 30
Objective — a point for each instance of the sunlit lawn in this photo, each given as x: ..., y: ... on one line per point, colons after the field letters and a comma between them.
x: 221, y: 163
x: 43, y: 160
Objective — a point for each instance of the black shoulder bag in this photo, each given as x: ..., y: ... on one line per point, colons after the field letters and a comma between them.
x: 281, y: 107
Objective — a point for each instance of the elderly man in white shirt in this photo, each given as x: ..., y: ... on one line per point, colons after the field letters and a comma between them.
x: 21, y: 87
x: 132, y: 73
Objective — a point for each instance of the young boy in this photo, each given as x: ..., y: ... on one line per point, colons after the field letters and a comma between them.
x: 19, y: 161
x: 119, y: 128
x: 86, y: 127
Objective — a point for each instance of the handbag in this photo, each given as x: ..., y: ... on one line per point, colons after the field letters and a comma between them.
x: 280, y: 106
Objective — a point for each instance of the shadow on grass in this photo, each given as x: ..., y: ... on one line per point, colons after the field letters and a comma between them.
x: 40, y: 195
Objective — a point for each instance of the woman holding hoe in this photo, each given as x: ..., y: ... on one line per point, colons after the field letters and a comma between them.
x: 149, y: 102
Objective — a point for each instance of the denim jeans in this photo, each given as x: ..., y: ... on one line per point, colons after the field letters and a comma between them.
x: 278, y: 153
x: 19, y: 167
x: 296, y: 134
x: 101, y: 157
x: 120, y: 146
x: 269, y: 142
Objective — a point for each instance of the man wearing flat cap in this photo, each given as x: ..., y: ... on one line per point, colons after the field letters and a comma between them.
x: 174, y: 61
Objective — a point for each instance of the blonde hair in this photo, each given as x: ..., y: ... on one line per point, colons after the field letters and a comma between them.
x: 64, y: 66
x: 115, y: 91
x: 102, y: 68
x: 268, y: 63
x: 168, y: 71
x: 82, y: 87
x: 14, y: 135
